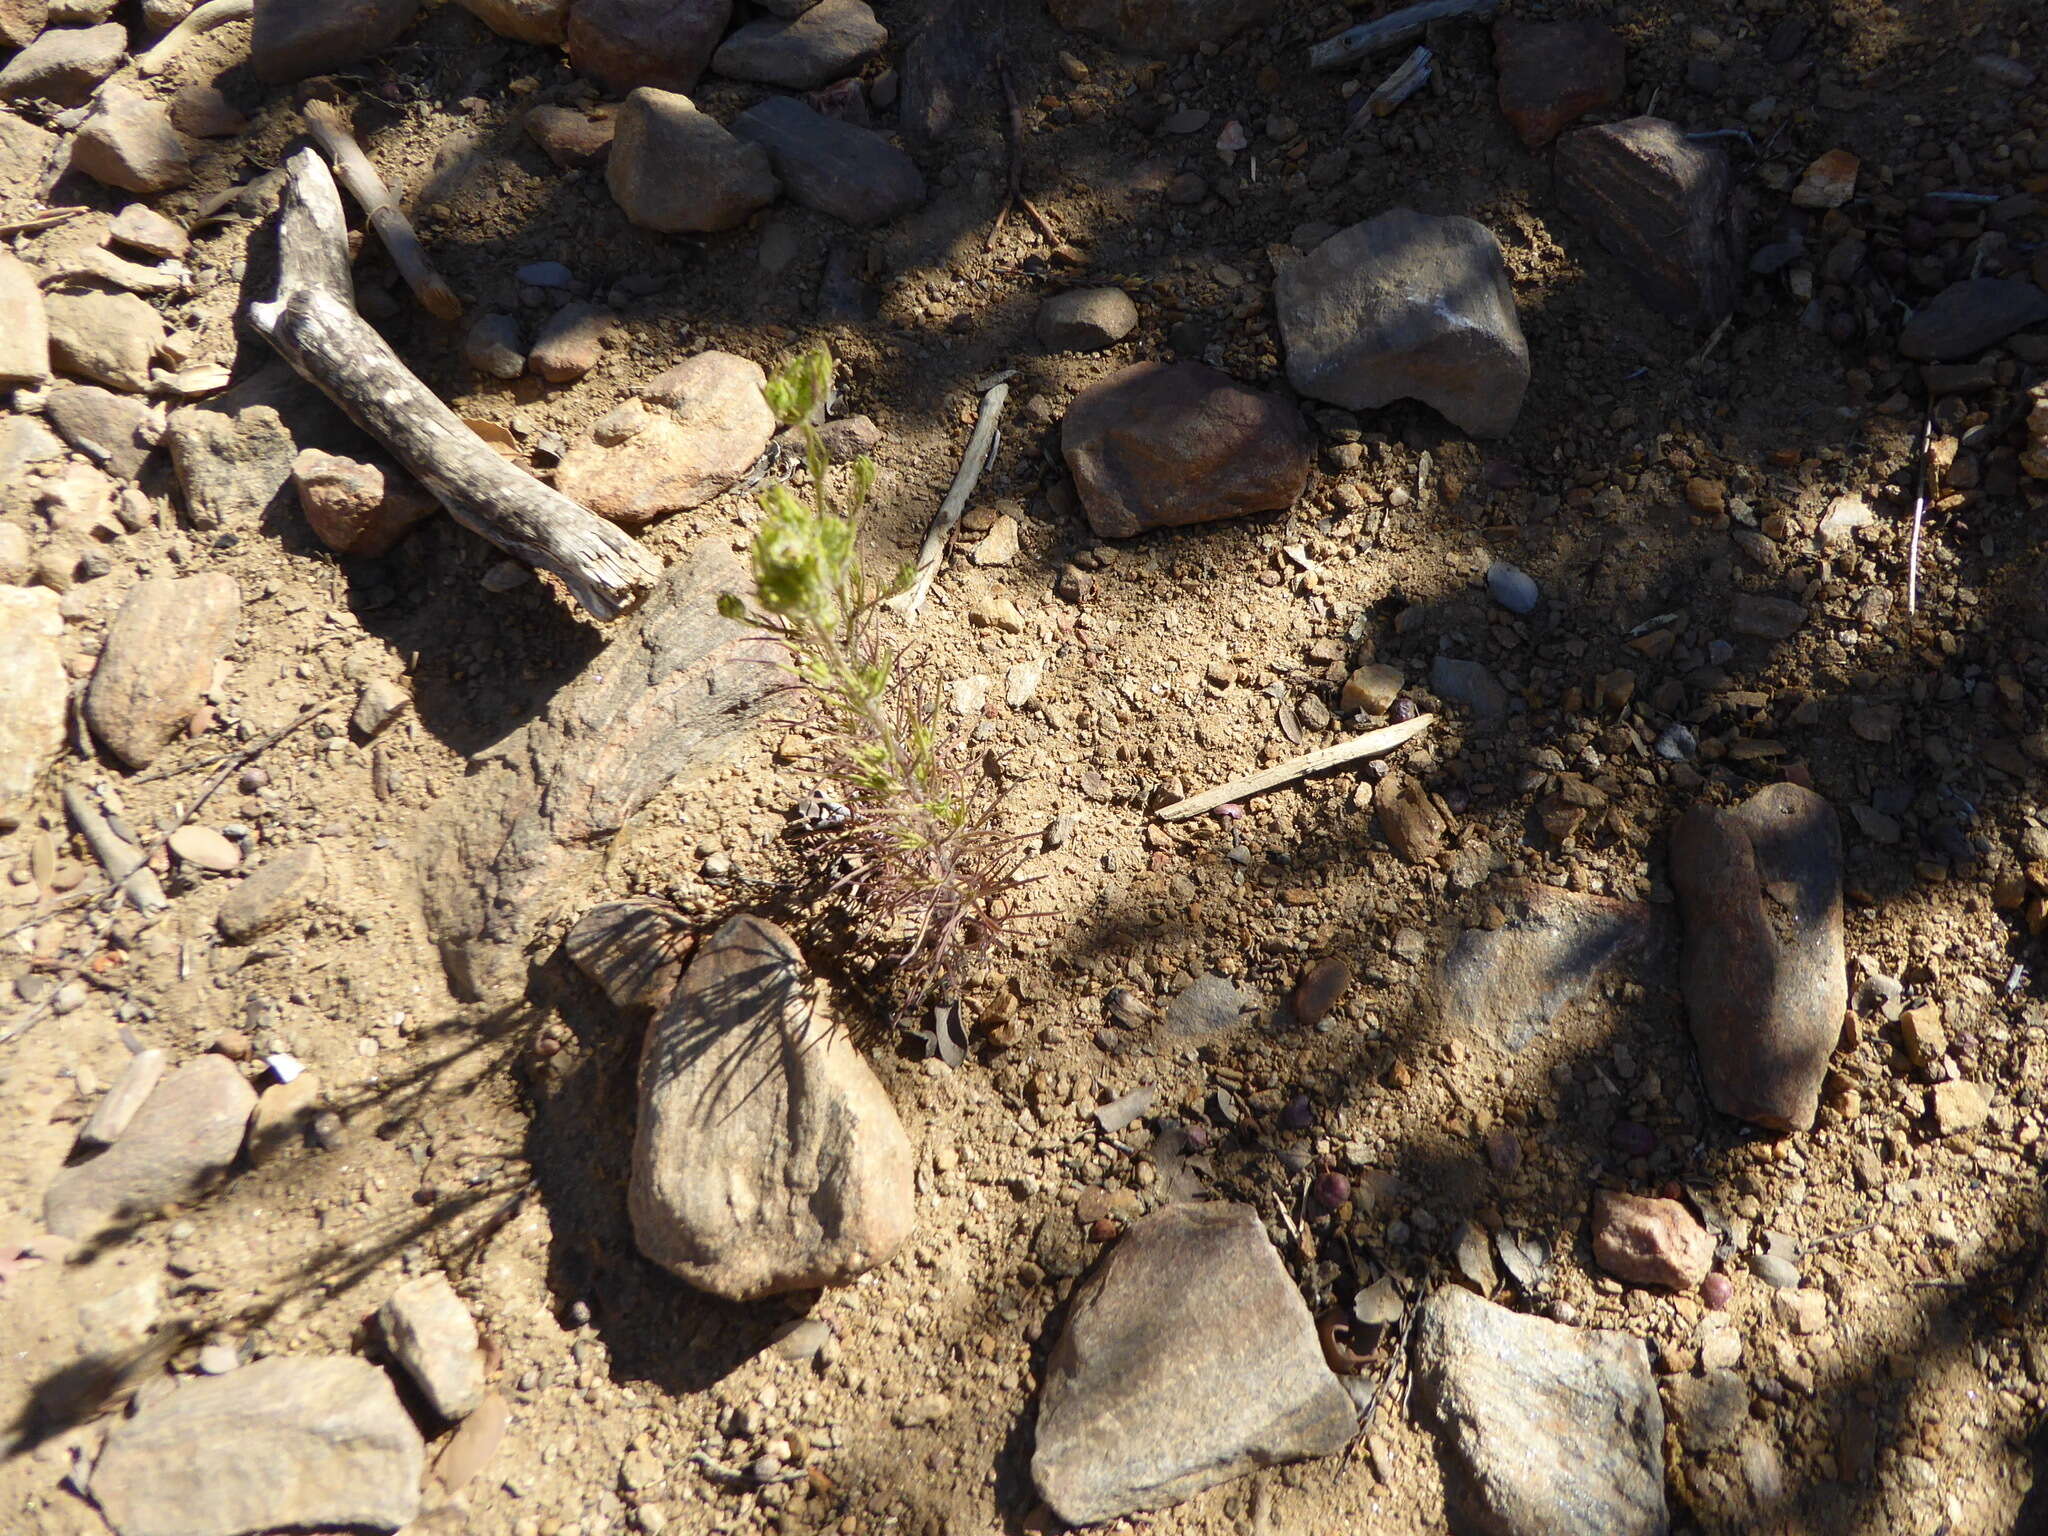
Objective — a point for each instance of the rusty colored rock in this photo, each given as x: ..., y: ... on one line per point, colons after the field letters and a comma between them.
x: 1161, y: 445
x: 1321, y: 988
x: 628, y: 43
x: 1553, y: 73
x: 1647, y: 1241
x: 1764, y: 976
x: 356, y: 508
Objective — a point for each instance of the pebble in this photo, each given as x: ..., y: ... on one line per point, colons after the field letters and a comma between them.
x: 1372, y: 688
x: 999, y: 545
x: 24, y: 329
x: 116, y: 431
x: 677, y: 170
x: 1513, y: 589
x: 1469, y: 683
x: 380, y: 702
x: 1321, y: 987
x: 1968, y: 316
x: 1647, y: 1241
x: 1506, y: 985
x: 634, y: 950
x: 492, y: 347
x: 356, y: 507
x: 1208, y: 1005
x: 205, y: 848
x: 430, y: 1332
x: 158, y: 661
x: 800, y: 1340
x: 711, y: 425
x: 1957, y: 1107
x: 106, y: 338
x: 64, y: 64
x: 570, y: 343
x: 1779, y: 1274
x: 277, y: 892
x: 572, y: 140
x: 127, y: 1094
x: 1086, y: 319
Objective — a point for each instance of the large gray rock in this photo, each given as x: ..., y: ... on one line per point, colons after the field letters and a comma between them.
x: 1407, y: 306
x: 158, y: 660
x: 291, y: 39
x: 1161, y: 26
x: 768, y: 1157
x: 1764, y: 974
x: 675, y: 169
x: 1966, y: 317
x: 629, y: 43
x: 233, y: 466
x: 181, y: 1141
x: 1548, y: 1430
x: 430, y: 1332
x: 33, y: 694
x: 800, y: 53
x: 1188, y: 1359
x: 836, y: 168
x: 64, y: 64
x: 288, y: 1443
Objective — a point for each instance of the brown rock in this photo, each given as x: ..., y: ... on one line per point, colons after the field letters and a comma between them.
x: 719, y: 428
x: 571, y: 139
x: 291, y: 39
x: 356, y: 508
x: 277, y: 892
x: 629, y: 43
x: 64, y: 64
x: 127, y: 141
x: 204, y: 113
x: 108, y: 338
x: 1650, y: 1242
x: 677, y: 170
x: 530, y: 21
x: 635, y: 950
x: 1553, y: 73
x: 21, y: 20
x: 1957, y: 1107
x: 34, y: 694
x: 1764, y: 977
x: 1664, y: 207
x: 282, y: 1115
x: 1321, y: 988
x: 570, y: 343
x: 1161, y: 445
x: 158, y: 660
x: 1765, y: 618
x: 1161, y: 27
x: 1408, y: 821
x: 24, y: 332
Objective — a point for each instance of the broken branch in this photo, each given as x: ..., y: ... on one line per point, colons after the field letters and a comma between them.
x: 214, y: 13
x: 981, y: 449
x: 126, y: 865
x: 382, y: 210
x: 1393, y: 31
x: 1371, y: 744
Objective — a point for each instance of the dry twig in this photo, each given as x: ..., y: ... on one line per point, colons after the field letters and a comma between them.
x: 982, y: 448
x: 1385, y: 739
x: 1013, y: 195
x: 382, y: 210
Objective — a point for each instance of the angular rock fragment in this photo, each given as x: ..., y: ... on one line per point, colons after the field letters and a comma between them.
x: 1161, y: 445
x: 1648, y: 1241
x: 354, y: 507
x: 291, y: 1442
x: 1411, y: 824
x: 570, y: 343
x: 1546, y: 1430
x: 629, y: 43
x: 291, y: 39
x: 158, y: 661
x: 115, y: 431
x: 851, y: 173
x: 492, y: 346
x: 768, y: 1156
x: 430, y: 1332
x: 719, y: 427
x: 177, y: 1145
x: 34, y: 693
x: 573, y: 140
x: 1161, y: 28
x: 64, y: 64
x: 21, y: 20
x: 24, y: 331
x: 1664, y: 207
x: 1208, y: 1005
x: 1553, y: 73
x: 819, y: 45
x: 1086, y: 319
x: 1504, y: 985
x: 108, y: 338
x: 1764, y: 975
x: 1188, y: 1359
x: 529, y: 21
x: 1966, y: 317
x: 233, y: 467
x: 1765, y: 618
x: 1407, y: 306
x: 634, y: 950
x: 675, y: 169
x: 279, y: 890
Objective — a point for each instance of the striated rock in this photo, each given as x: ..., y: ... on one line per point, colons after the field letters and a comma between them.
x: 719, y: 427
x: 1086, y: 319
x: 281, y: 888
x: 64, y: 64
x: 1545, y: 1430
x: 356, y: 508
x: 529, y: 21
x: 291, y: 39
x: 430, y: 1332
x: 572, y: 140
x: 629, y: 43
x: 1764, y: 976
x: 675, y: 169
x: 1161, y: 26
x: 286, y: 1443
x: 634, y: 950
x: 1188, y: 1358
x: 1650, y: 1242
x: 1407, y: 306
x: 108, y: 338
x: 34, y: 692
x: 570, y: 343
x: 1966, y: 317
x: 1664, y: 207
x: 24, y: 331
x: 158, y: 660
x: 232, y: 467
x: 1505, y: 985
x: 833, y: 167
x: 1161, y: 445
x: 178, y: 1144
x: 944, y: 70
x: 830, y: 39
x: 768, y: 1157
x: 1552, y: 73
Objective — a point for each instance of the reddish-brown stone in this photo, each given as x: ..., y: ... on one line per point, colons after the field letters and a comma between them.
x: 356, y: 508
x: 1650, y: 1242
x: 628, y: 43
x: 1553, y: 73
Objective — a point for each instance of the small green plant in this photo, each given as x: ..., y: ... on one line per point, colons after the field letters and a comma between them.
x: 918, y: 851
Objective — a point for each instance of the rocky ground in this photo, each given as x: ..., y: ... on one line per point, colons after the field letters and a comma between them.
x: 1616, y: 1107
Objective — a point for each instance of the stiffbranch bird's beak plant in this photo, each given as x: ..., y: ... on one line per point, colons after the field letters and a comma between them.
x: 918, y: 854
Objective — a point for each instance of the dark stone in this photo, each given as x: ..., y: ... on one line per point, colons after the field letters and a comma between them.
x: 1553, y: 73
x: 291, y: 39
x: 945, y: 71
x: 851, y: 173
x: 801, y: 53
x: 1967, y: 317
x: 629, y: 43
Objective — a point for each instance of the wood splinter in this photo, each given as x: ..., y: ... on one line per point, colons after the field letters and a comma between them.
x: 382, y: 210
x: 982, y: 447
x: 1385, y: 739
x: 313, y: 324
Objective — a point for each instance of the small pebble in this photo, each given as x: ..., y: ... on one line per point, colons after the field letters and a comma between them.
x: 1781, y: 1274
x: 205, y: 848
x: 1717, y: 1290
x: 1513, y: 589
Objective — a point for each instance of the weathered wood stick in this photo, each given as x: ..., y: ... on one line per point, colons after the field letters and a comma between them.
x: 1404, y: 82
x: 382, y: 210
x: 214, y: 13
x: 1393, y: 31
x: 126, y: 865
x: 1385, y: 739
x: 313, y: 324
x: 981, y: 447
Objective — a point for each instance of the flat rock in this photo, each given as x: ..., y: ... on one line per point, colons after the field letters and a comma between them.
x: 1208, y: 1005
x: 232, y: 465
x: 1470, y: 683
x: 768, y: 1156
x: 357, y: 507
x: 179, y: 1144
x: 1765, y: 618
x: 158, y: 661
x: 1188, y: 1358
x: 130, y: 1090
x: 117, y: 432
x: 34, y: 693
x: 1647, y: 1241
x: 25, y: 150
x: 1763, y: 973
x: 430, y: 1332
x: 630, y: 43
x: 291, y: 1442
x: 835, y: 168
x: 24, y: 332
x: 1664, y: 207
x: 140, y: 226
x: 945, y: 69
x: 1544, y: 1430
x: 1552, y: 73
x: 1407, y: 306
x: 1086, y: 319
x: 709, y: 426
x: 634, y: 950
x: 677, y: 170
x: 1411, y: 824
x: 279, y: 889
x: 1966, y: 317
x: 573, y: 140
x: 205, y: 848
x: 1162, y: 445
x: 830, y: 39
x: 1161, y: 27
x: 21, y: 20
x: 570, y: 343
x: 1505, y: 985
x: 107, y: 338
x: 1957, y: 1107
x: 529, y: 21
x: 128, y: 141
x: 64, y: 64
x: 291, y: 39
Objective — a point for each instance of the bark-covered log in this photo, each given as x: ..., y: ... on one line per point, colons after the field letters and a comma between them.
x: 313, y: 324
